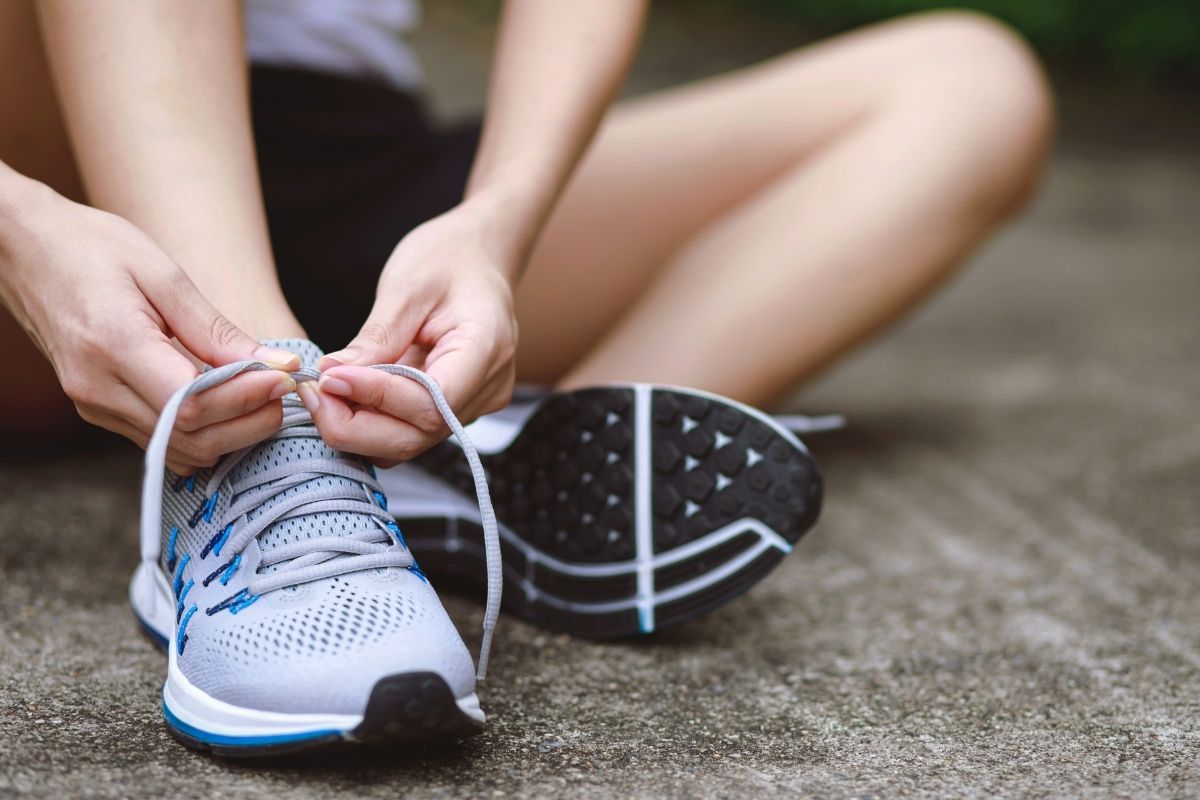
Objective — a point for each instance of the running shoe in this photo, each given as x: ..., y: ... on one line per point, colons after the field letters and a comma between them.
x: 293, y: 614
x: 622, y: 509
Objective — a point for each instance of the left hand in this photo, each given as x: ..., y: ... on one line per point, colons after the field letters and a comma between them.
x: 444, y: 305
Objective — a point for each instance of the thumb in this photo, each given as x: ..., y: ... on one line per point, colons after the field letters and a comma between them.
x: 387, y: 335
x: 206, y: 333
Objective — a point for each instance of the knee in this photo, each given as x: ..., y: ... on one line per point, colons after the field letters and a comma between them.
x: 997, y: 95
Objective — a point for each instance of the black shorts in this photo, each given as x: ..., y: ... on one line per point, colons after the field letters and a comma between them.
x: 348, y: 168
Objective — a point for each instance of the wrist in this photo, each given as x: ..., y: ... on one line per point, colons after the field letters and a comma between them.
x: 22, y: 199
x: 509, y: 216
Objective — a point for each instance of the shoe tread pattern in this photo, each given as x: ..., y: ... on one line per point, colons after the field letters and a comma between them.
x: 571, y: 468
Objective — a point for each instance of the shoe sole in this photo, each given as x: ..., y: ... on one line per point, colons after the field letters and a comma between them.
x: 403, y: 709
x: 623, y: 509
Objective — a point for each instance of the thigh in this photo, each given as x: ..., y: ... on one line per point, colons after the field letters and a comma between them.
x: 33, y: 141
x: 665, y: 165
x: 33, y: 137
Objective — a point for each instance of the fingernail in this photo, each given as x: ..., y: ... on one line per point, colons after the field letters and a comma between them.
x: 309, y: 396
x: 282, y: 387
x: 335, y: 386
x: 279, y: 359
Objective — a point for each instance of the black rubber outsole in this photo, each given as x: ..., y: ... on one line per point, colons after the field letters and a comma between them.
x: 416, y: 708
x: 569, y: 487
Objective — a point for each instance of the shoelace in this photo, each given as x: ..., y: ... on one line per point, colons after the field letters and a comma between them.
x: 326, y: 556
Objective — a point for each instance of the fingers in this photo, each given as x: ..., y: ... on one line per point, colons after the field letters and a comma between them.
x: 461, y: 367
x: 363, y: 430
x: 393, y: 395
x: 203, y: 447
x: 389, y: 417
x: 385, y: 337
x: 178, y: 462
x: 236, y: 414
x: 202, y: 329
x: 242, y: 395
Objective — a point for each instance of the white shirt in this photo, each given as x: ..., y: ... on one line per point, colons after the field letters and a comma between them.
x: 356, y: 38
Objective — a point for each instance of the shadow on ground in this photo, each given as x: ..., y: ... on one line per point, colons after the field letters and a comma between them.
x: 1000, y: 599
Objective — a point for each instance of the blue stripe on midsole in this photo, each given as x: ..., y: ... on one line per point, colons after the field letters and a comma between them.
x: 243, y: 741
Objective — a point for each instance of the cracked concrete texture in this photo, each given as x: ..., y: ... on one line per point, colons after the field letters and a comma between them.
x: 1001, y: 598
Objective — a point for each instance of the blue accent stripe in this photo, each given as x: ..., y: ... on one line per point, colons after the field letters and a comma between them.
x: 181, y: 637
x: 178, y: 583
x: 394, y: 528
x: 183, y: 596
x: 248, y: 600
x: 245, y: 741
x: 171, y: 548
x: 645, y: 620
x: 232, y: 568
x: 212, y: 505
x: 217, y: 542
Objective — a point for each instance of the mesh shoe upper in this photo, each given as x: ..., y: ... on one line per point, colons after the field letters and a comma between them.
x: 317, y: 646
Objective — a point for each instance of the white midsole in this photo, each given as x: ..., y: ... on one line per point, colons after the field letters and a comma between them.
x: 525, y: 583
x: 151, y: 596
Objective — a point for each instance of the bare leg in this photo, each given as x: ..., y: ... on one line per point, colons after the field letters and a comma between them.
x: 738, y: 234
x: 221, y: 242
x: 33, y: 141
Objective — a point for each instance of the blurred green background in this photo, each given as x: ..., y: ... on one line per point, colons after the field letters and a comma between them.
x: 1144, y: 40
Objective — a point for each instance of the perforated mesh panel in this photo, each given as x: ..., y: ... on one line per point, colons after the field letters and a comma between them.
x: 351, y: 616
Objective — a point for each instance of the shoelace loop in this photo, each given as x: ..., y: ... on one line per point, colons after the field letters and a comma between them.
x: 325, y: 556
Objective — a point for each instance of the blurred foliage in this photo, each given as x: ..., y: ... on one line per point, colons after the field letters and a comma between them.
x: 1145, y: 39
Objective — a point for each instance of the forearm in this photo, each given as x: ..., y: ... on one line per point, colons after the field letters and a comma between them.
x: 155, y: 96
x: 558, y: 66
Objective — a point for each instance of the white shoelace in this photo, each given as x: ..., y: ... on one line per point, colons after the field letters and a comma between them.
x: 326, y: 556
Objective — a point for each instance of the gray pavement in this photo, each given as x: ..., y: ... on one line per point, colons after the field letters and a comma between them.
x: 1002, y: 597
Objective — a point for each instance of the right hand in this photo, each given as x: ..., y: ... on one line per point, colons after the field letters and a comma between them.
x: 102, y: 302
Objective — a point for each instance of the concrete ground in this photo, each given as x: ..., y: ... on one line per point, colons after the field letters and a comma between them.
x: 1002, y: 598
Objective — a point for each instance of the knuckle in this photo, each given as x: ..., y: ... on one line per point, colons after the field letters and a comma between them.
x: 375, y: 333
x: 496, y: 403
x: 79, y: 389
x: 505, y: 350
x: 87, y: 413
x: 201, y: 446
x: 222, y: 332
x: 406, y: 450
x: 189, y: 417
x: 270, y: 421
x: 428, y: 419
x: 336, y: 438
x: 377, y: 393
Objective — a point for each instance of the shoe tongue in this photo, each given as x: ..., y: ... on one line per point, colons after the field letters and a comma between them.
x: 277, y: 452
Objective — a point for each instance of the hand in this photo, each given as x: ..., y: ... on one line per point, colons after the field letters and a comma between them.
x: 102, y: 302
x: 444, y: 306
